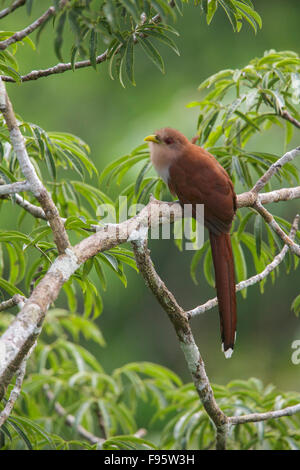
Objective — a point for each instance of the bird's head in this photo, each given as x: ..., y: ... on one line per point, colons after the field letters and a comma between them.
x: 167, y: 139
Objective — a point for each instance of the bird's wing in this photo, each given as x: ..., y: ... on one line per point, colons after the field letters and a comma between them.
x: 197, y: 178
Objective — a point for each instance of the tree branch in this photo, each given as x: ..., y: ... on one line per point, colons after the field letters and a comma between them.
x: 13, y: 7
x: 26, y: 31
x: 249, y: 198
x: 58, y: 68
x: 13, y: 188
x: 35, y: 211
x: 24, y: 330
x: 17, y: 299
x: 64, y: 67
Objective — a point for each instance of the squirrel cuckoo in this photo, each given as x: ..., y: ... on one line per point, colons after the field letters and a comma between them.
x: 196, y: 177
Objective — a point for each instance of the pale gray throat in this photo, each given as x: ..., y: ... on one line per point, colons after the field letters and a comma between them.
x: 164, y: 173
x: 161, y: 159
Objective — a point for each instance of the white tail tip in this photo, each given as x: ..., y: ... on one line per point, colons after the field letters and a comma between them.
x: 228, y: 353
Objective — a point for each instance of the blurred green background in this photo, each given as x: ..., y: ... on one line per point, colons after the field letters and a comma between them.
x: 113, y: 120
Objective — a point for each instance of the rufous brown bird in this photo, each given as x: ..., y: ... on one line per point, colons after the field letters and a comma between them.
x: 196, y: 177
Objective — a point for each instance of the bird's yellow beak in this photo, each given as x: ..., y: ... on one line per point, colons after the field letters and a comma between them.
x: 152, y: 138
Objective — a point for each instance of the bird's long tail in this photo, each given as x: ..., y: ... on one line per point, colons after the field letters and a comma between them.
x: 225, y: 285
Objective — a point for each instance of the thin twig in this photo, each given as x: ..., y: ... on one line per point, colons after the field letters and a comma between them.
x: 26, y: 31
x: 70, y: 419
x: 268, y: 217
x: 254, y: 417
x: 13, y: 7
x: 184, y: 333
x: 17, y: 299
x: 13, y: 188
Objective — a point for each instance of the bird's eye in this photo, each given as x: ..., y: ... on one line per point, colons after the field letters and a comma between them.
x: 169, y: 140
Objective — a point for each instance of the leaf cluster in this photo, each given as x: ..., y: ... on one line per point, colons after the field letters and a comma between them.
x: 117, y: 28
x: 139, y: 395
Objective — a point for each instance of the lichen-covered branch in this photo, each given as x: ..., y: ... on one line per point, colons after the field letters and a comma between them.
x: 282, y: 112
x: 34, y: 210
x: 20, y: 336
x: 28, y: 30
x: 24, y: 330
x: 15, y: 393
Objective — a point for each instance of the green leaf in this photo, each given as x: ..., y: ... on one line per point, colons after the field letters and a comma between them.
x: 129, y: 60
x: 162, y: 9
x: 20, y: 432
x: 244, y: 223
x: 296, y: 306
x: 93, y: 48
x: 251, y: 16
x: 132, y: 9
x: 140, y: 177
x: 152, y: 53
x: 289, y: 130
x: 208, y: 268
x: 211, y: 10
x: 29, y: 6
x: 258, y: 234
x: 100, y: 273
x: 209, y: 127
x: 239, y: 262
x: 73, y: 17
x: 230, y: 11
x: 127, y: 442
x: 83, y: 409
x: 196, y: 260
x: 110, y: 12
